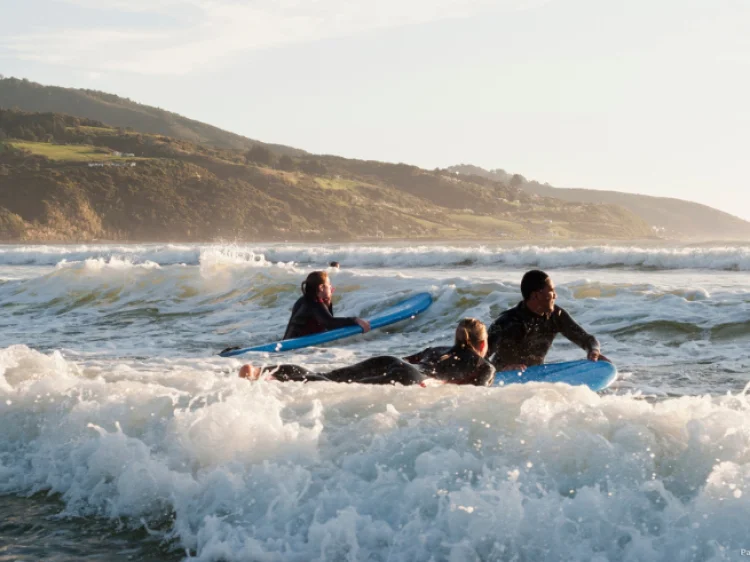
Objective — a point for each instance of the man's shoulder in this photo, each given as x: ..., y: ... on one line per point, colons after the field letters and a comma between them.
x: 512, y: 313
x: 559, y: 311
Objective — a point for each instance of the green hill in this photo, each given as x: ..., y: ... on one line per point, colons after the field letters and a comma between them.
x: 66, y: 178
x: 131, y: 123
x: 667, y: 216
x: 121, y: 112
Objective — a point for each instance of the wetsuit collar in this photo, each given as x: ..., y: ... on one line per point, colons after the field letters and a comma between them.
x: 547, y: 316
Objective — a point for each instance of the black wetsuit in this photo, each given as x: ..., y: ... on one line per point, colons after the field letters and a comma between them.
x: 519, y: 336
x: 457, y: 365
x: 312, y: 317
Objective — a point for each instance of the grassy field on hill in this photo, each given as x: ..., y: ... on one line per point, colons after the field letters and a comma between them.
x: 65, y: 152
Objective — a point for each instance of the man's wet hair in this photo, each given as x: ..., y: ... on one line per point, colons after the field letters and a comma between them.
x: 334, y: 264
x: 533, y: 281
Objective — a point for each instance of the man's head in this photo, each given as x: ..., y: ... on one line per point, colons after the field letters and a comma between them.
x: 538, y: 292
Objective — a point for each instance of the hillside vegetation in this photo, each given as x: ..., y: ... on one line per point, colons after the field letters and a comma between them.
x: 66, y: 178
x: 131, y: 126
x: 667, y: 216
x: 121, y: 112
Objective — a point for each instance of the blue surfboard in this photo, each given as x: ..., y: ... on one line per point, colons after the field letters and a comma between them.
x: 597, y: 375
x: 401, y: 311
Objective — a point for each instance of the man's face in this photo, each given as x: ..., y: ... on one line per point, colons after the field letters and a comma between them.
x: 543, y: 300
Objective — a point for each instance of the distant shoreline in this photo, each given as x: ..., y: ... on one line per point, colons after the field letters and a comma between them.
x: 400, y: 242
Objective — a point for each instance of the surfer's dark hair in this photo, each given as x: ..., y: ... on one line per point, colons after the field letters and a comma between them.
x: 533, y: 281
x: 310, y: 285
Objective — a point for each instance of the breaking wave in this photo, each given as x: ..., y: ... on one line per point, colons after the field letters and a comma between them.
x: 720, y: 258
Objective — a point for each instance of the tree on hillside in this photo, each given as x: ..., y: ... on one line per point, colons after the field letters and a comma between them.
x: 259, y: 155
x: 285, y: 163
x: 12, y: 226
x: 58, y: 128
x: 24, y: 134
x: 313, y: 167
x: 517, y: 180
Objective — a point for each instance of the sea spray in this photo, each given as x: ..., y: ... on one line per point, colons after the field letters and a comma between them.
x: 114, y: 402
x: 719, y: 258
x: 303, y: 471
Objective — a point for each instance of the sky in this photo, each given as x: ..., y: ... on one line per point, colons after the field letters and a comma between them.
x: 643, y: 96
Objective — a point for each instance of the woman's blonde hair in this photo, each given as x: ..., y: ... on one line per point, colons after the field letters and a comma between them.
x: 471, y: 332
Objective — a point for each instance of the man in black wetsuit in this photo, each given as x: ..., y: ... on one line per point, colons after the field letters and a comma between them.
x: 522, y: 335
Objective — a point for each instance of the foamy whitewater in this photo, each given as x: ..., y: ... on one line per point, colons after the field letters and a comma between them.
x: 125, y: 437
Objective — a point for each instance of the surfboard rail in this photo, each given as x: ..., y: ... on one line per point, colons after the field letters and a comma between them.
x: 403, y: 310
x: 597, y: 375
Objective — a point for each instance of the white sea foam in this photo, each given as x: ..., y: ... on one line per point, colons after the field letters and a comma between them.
x: 720, y: 258
x: 117, y: 403
x: 235, y: 471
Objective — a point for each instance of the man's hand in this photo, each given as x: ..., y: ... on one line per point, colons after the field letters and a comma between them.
x: 597, y: 356
x: 364, y: 324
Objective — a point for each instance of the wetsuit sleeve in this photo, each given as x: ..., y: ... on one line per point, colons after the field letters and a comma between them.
x: 429, y: 355
x: 295, y: 309
x: 323, y: 315
x: 484, y: 375
x: 573, y: 331
x: 494, y: 334
x: 416, y: 358
x: 505, y: 341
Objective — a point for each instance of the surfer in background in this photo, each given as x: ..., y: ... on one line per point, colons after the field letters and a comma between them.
x: 522, y: 335
x: 464, y: 363
x: 313, y: 311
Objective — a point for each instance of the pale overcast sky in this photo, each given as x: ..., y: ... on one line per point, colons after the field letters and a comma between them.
x: 647, y: 96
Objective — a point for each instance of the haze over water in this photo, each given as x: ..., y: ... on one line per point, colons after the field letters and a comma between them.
x: 126, y: 437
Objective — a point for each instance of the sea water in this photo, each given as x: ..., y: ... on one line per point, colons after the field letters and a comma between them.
x: 123, y: 436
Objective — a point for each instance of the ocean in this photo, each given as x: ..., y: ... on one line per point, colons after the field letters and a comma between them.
x: 125, y: 437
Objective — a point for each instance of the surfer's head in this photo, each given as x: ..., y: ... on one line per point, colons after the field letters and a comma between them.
x: 317, y: 287
x: 538, y: 291
x: 472, y: 333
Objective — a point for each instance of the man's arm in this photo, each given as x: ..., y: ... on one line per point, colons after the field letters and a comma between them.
x: 505, y: 340
x: 573, y: 331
